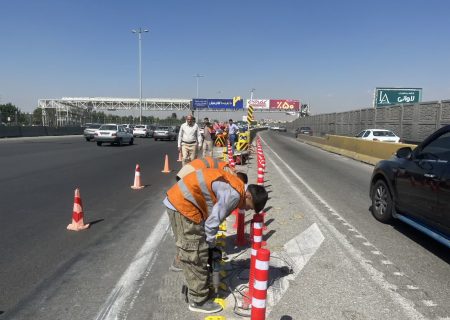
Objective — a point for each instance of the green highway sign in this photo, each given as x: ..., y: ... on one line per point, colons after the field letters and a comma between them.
x: 391, y: 96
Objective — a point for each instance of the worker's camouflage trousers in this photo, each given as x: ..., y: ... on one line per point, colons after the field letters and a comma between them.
x: 192, y: 249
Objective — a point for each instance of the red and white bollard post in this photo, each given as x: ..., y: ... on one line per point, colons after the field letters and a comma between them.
x: 256, y: 238
x: 240, y: 234
x: 230, y: 156
x: 260, y: 180
x: 260, y: 285
x: 256, y: 245
x: 235, y: 213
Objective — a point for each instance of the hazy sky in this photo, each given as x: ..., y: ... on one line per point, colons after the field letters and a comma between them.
x: 330, y: 54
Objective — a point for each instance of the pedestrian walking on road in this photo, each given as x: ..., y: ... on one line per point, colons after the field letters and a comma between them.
x: 197, y: 205
x: 189, y: 138
x: 207, y: 147
x: 233, y: 130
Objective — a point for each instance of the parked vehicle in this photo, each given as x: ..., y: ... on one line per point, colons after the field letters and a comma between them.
x: 378, y: 135
x: 165, y: 133
x: 414, y: 187
x: 89, y: 131
x: 113, y: 133
x: 303, y: 130
x: 143, y: 130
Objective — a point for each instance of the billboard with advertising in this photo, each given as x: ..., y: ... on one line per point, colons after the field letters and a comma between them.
x: 235, y: 103
x: 199, y: 103
x: 284, y: 105
x: 391, y: 96
x: 258, y: 104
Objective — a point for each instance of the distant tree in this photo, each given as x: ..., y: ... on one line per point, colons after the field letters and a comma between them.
x: 37, y: 116
x: 8, y: 110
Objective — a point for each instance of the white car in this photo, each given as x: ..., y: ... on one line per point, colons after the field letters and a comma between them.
x: 113, y: 133
x: 142, y: 130
x: 378, y: 135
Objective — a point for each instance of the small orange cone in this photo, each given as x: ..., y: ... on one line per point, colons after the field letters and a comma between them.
x: 180, y: 157
x: 77, y: 214
x: 166, y: 165
x: 137, y: 179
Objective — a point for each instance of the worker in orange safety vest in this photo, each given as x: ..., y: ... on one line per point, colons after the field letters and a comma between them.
x: 203, y: 163
x: 197, y: 205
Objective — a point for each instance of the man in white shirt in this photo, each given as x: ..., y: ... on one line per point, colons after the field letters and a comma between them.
x: 189, y: 138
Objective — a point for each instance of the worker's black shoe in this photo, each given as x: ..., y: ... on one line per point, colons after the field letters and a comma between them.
x: 209, y: 306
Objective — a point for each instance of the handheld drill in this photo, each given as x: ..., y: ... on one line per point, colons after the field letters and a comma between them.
x: 215, y: 255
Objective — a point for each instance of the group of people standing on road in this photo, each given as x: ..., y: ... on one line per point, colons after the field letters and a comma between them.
x: 206, y: 192
x: 191, y: 141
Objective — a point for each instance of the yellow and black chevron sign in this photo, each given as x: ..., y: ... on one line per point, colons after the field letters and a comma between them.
x: 250, y: 114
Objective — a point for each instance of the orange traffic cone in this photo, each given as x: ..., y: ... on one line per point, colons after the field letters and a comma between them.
x: 77, y: 214
x: 137, y: 179
x: 166, y: 165
x: 180, y: 157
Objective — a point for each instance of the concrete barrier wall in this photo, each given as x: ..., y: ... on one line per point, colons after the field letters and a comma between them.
x: 412, y: 123
x: 358, y: 149
x: 18, y: 131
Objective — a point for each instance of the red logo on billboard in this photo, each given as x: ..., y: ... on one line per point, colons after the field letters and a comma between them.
x: 285, y: 105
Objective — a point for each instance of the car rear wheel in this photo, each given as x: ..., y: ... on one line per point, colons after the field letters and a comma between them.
x: 382, y: 203
x: 156, y: 139
x: 88, y: 139
x: 131, y: 141
x: 99, y: 143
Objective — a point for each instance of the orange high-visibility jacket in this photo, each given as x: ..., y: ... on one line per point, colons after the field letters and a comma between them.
x: 208, y: 162
x: 193, y: 196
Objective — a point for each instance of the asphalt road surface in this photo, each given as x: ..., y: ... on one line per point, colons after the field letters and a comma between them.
x: 118, y: 267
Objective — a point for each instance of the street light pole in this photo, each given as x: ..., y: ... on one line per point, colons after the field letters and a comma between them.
x: 197, y: 76
x: 139, y: 33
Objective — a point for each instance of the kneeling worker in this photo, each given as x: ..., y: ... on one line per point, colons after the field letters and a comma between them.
x: 197, y: 205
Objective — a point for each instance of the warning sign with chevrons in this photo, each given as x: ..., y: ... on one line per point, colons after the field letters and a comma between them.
x: 250, y: 114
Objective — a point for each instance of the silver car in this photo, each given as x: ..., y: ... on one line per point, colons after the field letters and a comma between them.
x: 382, y: 135
x: 165, y: 133
x: 89, y: 131
x: 143, y: 130
x: 113, y: 133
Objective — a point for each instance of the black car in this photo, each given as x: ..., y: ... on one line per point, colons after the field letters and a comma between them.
x: 303, y: 130
x: 414, y: 187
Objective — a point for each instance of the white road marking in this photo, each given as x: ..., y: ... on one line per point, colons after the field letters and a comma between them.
x: 429, y: 303
x: 125, y: 292
x: 301, y: 248
x: 376, y: 276
x: 298, y: 251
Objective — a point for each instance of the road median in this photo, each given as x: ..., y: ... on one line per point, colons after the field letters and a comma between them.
x: 362, y: 150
